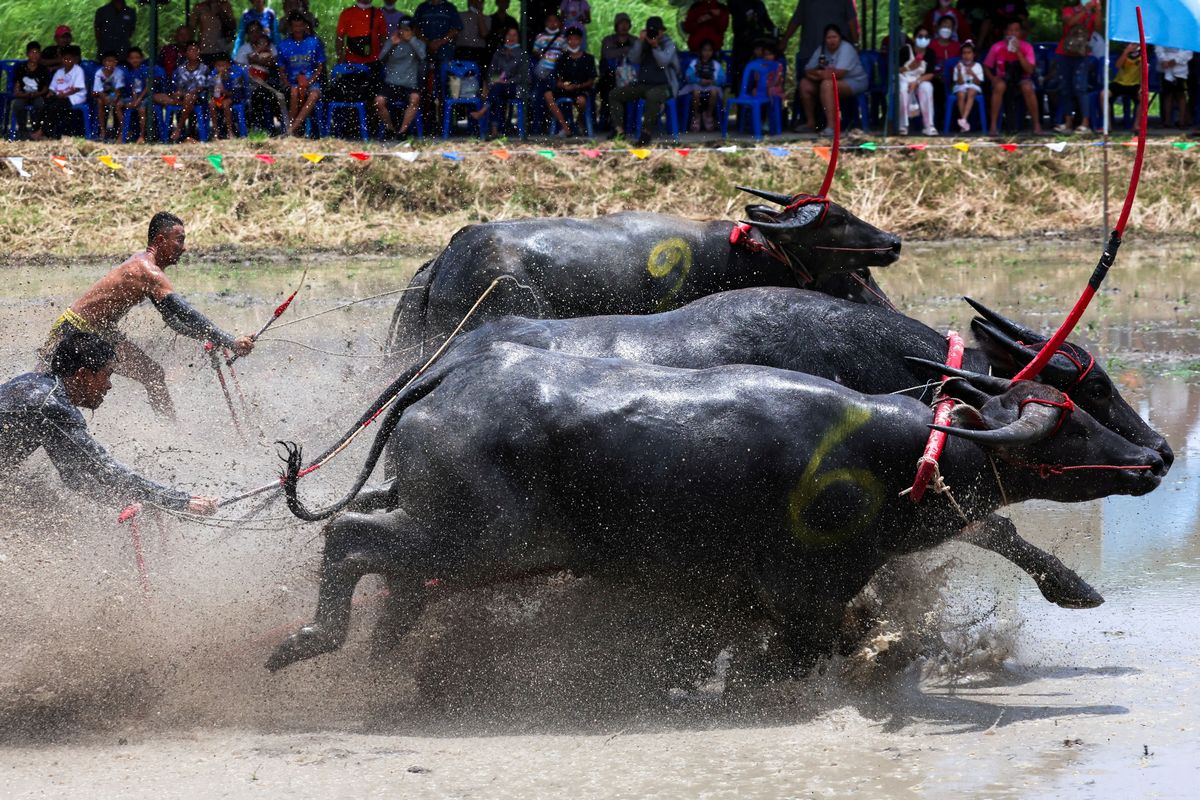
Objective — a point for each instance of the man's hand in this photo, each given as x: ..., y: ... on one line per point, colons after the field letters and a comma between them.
x: 243, y: 345
x: 204, y: 506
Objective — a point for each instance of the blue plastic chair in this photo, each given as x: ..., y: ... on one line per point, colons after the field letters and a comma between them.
x: 567, y: 104
x: 157, y: 83
x: 948, y: 81
x: 459, y: 69
x: 753, y: 98
x: 684, y: 101
x: 638, y: 110
x: 168, y: 112
x: 8, y: 68
x: 519, y: 104
x: 875, y: 98
x: 333, y: 106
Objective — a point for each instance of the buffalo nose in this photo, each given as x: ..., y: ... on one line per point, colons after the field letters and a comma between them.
x: 1158, y: 467
x: 896, y: 245
x: 1167, y: 455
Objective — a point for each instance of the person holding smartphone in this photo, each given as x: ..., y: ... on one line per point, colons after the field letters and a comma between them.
x: 1010, y: 64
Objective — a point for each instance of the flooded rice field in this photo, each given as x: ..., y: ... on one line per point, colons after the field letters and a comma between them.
x: 977, y: 687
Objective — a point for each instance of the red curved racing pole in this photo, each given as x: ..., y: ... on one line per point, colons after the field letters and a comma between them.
x: 1035, y: 367
x: 837, y: 140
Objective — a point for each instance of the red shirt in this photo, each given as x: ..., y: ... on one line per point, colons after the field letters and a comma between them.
x: 711, y: 30
x: 354, y: 22
x: 962, y: 26
x: 1071, y: 11
x: 945, y: 49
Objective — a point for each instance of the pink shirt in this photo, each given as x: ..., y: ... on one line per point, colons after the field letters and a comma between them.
x: 1000, y: 52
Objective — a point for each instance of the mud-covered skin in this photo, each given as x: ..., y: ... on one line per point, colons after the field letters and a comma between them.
x: 631, y: 263
x: 514, y: 460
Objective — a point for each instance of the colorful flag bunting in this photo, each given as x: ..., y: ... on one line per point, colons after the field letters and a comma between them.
x: 61, y: 163
x: 314, y: 157
x: 869, y: 146
x: 173, y: 162
x: 683, y: 151
x: 18, y: 163
x: 501, y: 154
x: 1057, y: 147
x: 109, y: 162
x: 781, y: 152
x: 451, y: 155
x: 640, y: 152
x: 266, y: 159
x: 823, y: 152
x: 1184, y: 145
x: 408, y: 156
x: 1008, y: 147
x: 962, y: 147
x: 729, y: 148
x: 359, y: 156
x: 591, y: 153
x: 218, y: 163
x: 918, y: 146
x: 547, y: 153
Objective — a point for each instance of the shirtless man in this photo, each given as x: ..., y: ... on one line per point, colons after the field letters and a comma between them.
x: 142, y: 278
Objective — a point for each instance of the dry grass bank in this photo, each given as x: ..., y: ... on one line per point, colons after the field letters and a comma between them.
x: 388, y: 204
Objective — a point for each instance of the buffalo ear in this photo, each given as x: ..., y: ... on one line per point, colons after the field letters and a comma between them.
x: 965, y: 416
x: 760, y: 213
x: 984, y: 383
x: 1008, y: 327
x: 1004, y: 355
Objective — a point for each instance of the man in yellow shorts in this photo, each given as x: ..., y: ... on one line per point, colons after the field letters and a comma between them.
x: 140, y: 278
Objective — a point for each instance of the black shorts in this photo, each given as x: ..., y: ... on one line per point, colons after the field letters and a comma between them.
x: 1173, y: 87
x: 396, y: 94
x: 1120, y: 90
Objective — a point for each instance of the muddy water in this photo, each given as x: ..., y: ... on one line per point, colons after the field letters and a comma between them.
x: 105, y: 692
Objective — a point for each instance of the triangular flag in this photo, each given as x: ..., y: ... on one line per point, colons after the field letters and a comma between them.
x: 1008, y: 147
x: 591, y: 153
x: 218, y: 163
x: 173, y: 161
x: 313, y: 157
x: 729, y: 148
x: 61, y: 163
x: 18, y: 163
x: 360, y: 156
x: 409, y: 157
x: 1057, y: 147
x: 451, y: 155
x: 547, y: 153
x: 1184, y: 145
x: 108, y: 161
x: 1130, y: 143
x: 961, y: 147
x: 683, y: 151
x: 869, y: 146
x: 266, y: 159
x: 781, y: 152
x: 823, y: 152
x: 640, y: 152
x: 918, y: 146
x: 501, y: 154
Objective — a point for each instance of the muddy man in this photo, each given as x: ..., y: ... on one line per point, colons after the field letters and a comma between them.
x: 140, y: 278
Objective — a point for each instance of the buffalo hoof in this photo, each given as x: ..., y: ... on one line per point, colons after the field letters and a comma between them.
x: 311, y: 640
x: 1068, y: 590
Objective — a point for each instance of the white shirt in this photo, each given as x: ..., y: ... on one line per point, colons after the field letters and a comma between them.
x: 64, y: 81
x: 114, y: 81
x: 1178, y: 70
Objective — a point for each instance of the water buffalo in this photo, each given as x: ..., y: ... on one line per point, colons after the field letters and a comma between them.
x: 514, y: 460
x: 860, y: 347
x: 637, y: 263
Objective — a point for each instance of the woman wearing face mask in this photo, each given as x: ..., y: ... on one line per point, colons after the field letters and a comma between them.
x: 918, y: 65
x: 945, y: 8
x: 945, y: 44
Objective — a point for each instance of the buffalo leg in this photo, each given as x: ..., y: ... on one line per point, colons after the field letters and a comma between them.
x: 1056, y: 581
x: 401, y: 610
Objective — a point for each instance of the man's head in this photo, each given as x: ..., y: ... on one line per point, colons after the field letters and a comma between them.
x: 654, y: 26
x: 183, y: 35
x: 553, y: 23
x: 512, y: 37
x: 1015, y: 29
x: 299, y: 25
x: 502, y: 5
x: 62, y: 36
x: 221, y: 63
x: 575, y: 40
x: 166, y: 238
x: 135, y: 57
x: 404, y: 26
x: 33, y: 53
x: 833, y: 38
x: 622, y: 23
x: 71, y: 56
x: 83, y: 361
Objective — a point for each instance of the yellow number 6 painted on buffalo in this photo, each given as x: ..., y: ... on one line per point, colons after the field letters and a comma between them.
x: 670, y: 255
x: 810, y: 487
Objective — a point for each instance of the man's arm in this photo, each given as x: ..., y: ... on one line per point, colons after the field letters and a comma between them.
x: 181, y: 316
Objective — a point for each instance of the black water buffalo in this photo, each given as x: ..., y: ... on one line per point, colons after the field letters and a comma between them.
x: 513, y: 460
x: 863, y: 348
x: 637, y: 263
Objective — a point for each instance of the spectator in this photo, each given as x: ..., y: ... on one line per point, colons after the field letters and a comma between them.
x: 498, y: 25
x: 976, y: 21
x: 214, y: 25
x: 299, y: 7
x: 107, y: 87
x: 52, y: 55
x: 968, y: 83
x: 943, y: 9
x: 703, y: 81
x: 706, y: 21
x: 439, y: 24
x: 574, y: 78
x: 259, y: 14
x: 614, y: 50
x: 1074, y: 48
x: 917, y: 70
x: 837, y: 57
x: 191, y: 83
x: 1127, y: 83
x: 113, y: 25
x: 301, y: 64
x: 1173, y: 64
x: 261, y: 58
x: 225, y: 89
x: 751, y: 22
x: 657, y: 79
x: 392, y: 16
x: 31, y: 84
x: 471, y: 44
x: 576, y: 14
x: 403, y: 60
x: 68, y: 92
x: 1011, y: 63
x: 171, y: 55
x: 945, y: 44
x: 361, y: 31
x: 508, y: 80
x: 139, y: 86
x: 547, y: 48
x: 813, y: 18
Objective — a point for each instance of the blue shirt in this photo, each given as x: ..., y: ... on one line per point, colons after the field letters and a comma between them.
x: 266, y: 19
x: 301, y: 57
x: 135, y: 80
x: 434, y: 21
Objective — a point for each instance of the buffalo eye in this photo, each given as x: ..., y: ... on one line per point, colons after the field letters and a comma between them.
x: 1098, y: 390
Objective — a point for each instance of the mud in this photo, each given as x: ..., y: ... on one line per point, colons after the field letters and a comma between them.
x: 971, y: 685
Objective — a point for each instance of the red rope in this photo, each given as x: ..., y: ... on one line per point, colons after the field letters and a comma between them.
x: 1046, y: 470
x: 130, y: 515
x: 927, y: 463
x: 1066, y: 405
x: 837, y: 139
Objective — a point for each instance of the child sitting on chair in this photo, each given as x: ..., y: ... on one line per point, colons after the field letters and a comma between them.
x: 705, y: 77
x: 106, y: 91
x: 221, y: 96
x: 968, y: 83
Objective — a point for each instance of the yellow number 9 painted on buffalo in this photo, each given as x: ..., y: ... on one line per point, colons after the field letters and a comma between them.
x: 670, y: 256
x: 810, y: 487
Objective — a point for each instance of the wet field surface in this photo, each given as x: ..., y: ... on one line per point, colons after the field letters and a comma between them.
x: 107, y: 693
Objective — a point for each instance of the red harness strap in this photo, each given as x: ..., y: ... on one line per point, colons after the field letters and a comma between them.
x: 741, y: 236
x: 1066, y: 405
x: 928, y: 462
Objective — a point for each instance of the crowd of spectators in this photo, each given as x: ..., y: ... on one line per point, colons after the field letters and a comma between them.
x: 278, y: 69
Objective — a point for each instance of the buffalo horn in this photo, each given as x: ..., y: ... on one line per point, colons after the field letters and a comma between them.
x: 1013, y: 330
x: 774, y: 197
x: 985, y: 383
x: 1035, y: 423
x: 1059, y: 368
